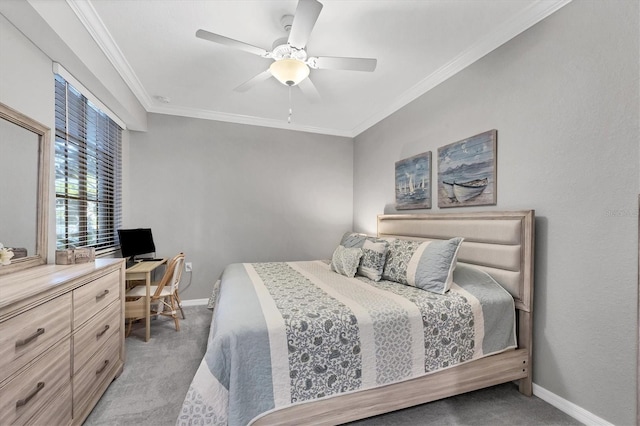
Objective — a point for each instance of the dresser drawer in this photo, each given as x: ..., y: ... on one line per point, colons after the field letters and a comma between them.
x: 94, y: 333
x: 57, y: 412
x: 28, y: 392
x: 92, y: 297
x: 24, y: 337
x: 92, y: 377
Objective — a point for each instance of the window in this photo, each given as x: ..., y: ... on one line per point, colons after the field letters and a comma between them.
x: 88, y: 172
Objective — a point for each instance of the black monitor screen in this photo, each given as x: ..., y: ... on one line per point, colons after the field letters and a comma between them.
x: 134, y: 242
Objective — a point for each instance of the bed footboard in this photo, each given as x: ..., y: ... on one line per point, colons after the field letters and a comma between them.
x: 474, y: 375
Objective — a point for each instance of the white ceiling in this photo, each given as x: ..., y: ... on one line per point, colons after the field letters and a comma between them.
x: 418, y: 44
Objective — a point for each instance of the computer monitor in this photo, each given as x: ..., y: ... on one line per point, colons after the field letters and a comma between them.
x: 136, y: 242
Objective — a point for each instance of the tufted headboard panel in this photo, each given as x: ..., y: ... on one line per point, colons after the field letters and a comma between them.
x: 500, y: 243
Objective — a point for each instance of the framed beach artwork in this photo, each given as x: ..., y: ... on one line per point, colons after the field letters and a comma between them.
x: 413, y: 182
x: 467, y: 172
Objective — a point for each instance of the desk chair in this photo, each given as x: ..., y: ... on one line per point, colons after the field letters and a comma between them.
x: 167, y: 288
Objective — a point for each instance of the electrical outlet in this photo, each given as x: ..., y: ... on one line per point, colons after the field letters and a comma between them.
x: 188, y: 267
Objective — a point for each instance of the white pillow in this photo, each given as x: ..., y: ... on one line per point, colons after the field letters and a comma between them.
x: 345, y: 260
x: 374, y: 256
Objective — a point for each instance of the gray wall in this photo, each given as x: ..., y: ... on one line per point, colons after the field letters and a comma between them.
x: 224, y: 193
x: 26, y: 85
x: 27, y: 77
x: 564, y: 99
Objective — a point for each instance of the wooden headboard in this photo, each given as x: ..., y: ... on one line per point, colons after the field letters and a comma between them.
x: 500, y: 243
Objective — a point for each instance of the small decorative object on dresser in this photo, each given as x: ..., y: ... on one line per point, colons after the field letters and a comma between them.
x: 84, y: 255
x: 5, y: 255
x: 19, y: 252
x: 467, y: 172
x: 413, y: 182
x: 61, y: 340
x: 64, y: 257
x: 79, y: 255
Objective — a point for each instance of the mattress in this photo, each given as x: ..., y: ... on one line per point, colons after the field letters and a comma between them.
x: 289, y: 332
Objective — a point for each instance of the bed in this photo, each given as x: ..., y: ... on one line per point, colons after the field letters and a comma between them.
x: 297, y: 343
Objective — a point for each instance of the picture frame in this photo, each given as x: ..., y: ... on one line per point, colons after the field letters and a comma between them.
x: 467, y: 174
x: 413, y: 182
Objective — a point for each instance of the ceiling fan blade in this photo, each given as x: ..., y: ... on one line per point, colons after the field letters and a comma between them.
x: 353, y: 64
x: 305, y: 18
x: 217, y: 38
x: 264, y: 75
x: 309, y: 90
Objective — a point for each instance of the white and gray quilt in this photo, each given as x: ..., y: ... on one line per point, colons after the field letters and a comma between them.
x: 286, y: 333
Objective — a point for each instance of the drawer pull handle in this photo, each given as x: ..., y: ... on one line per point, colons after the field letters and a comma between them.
x: 22, y: 402
x: 104, y: 330
x: 101, y: 369
x: 101, y: 295
x: 23, y: 342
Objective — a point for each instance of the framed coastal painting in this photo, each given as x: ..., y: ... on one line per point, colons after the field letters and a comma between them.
x: 413, y: 182
x: 467, y: 171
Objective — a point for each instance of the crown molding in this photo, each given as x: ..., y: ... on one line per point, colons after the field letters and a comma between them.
x: 527, y: 18
x: 530, y: 16
x: 89, y: 17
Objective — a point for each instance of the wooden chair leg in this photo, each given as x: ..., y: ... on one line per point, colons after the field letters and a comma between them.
x: 179, y: 302
x: 128, y: 332
x: 173, y: 312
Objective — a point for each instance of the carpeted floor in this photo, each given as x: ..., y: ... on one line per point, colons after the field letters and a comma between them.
x: 157, y: 375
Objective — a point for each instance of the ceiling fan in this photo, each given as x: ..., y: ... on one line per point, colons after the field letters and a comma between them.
x: 291, y: 62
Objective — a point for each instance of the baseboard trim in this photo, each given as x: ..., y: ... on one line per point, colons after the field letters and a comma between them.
x: 578, y: 413
x: 195, y: 302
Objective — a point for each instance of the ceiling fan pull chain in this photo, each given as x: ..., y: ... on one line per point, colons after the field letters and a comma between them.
x: 290, y: 107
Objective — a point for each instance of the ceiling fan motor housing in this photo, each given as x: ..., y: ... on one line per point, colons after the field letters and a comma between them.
x: 283, y: 50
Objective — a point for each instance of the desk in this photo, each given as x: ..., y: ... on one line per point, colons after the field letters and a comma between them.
x: 142, y: 271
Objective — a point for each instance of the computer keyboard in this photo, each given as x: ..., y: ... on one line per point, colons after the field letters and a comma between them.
x: 150, y: 260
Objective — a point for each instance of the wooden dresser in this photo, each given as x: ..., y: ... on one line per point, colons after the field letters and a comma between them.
x: 61, y: 340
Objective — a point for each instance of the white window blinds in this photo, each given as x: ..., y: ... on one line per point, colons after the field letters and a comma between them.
x: 88, y: 172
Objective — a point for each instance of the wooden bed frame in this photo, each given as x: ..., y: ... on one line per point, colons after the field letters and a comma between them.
x: 501, y: 243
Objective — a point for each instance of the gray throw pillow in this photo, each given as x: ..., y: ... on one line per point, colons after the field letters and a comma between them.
x: 428, y: 265
x: 432, y: 265
x: 353, y: 239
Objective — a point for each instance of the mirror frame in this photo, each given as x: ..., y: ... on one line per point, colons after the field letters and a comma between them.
x: 42, y: 215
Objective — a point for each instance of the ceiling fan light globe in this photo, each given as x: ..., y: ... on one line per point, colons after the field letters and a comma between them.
x: 289, y: 71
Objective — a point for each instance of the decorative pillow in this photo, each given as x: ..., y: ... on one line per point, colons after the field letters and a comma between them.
x: 374, y: 255
x: 400, y: 252
x: 345, y: 260
x: 353, y: 239
x: 432, y: 265
x: 428, y: 265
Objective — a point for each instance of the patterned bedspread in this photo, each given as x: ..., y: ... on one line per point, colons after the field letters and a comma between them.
x: 284, y: 333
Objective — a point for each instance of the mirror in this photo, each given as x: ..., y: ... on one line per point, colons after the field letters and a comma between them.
x: 24, y: 189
